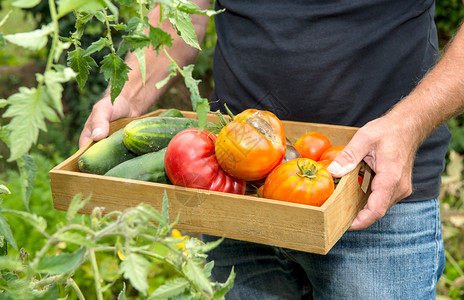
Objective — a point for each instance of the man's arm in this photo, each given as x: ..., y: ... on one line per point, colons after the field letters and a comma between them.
x: 388, y: 144
x: 136, y: 98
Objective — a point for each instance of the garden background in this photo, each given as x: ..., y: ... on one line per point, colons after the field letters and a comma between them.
x: 18, y: 68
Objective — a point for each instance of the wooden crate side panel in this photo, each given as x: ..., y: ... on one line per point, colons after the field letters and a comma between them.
x: 345, y: 206
x: 239, y: 217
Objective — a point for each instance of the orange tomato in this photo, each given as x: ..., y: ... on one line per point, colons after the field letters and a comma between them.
x: 325, y: 163
x: 252, y: 145
x: 301, y: 180
x: 312, y: 144
x: 331, y: 153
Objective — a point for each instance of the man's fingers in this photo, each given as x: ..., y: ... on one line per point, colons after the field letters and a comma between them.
x: 97, y: 125
x: 350, y: 156
x: 375, y: 209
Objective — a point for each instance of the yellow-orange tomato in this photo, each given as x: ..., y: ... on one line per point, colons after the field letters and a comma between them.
x: 312, y: 144
x: 252, y: 145
x: 331, y: 153
x: 301, y: 180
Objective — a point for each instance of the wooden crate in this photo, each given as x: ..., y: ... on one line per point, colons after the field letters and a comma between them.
x: 242, y: 217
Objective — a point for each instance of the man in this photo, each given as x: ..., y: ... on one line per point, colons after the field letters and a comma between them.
x: 358, y: 63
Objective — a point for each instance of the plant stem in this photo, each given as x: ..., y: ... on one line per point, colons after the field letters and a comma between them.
x: 76, y: 289
x: 108, y: 35
x: 56, y: 29
x: 173, y: 61
x: 96, y: 274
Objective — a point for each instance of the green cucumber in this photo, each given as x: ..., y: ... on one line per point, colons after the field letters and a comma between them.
x: 105, y: 154
x: 172, y: 112
x: 147, y: 167
x: 153, y: 133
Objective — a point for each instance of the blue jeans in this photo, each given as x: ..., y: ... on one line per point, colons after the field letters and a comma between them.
x: 400, y: 256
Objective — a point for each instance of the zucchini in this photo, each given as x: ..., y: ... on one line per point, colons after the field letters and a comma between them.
x: 153, y: 133
x: 147, y: 167
x: 105, y: 154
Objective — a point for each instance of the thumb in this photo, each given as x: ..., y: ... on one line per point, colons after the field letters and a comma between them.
x: 349, y: 157
x: 97, y: 125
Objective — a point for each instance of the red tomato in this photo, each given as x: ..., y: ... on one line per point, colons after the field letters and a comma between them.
x: 190, y: 161
x: 312, y: 144
x: 252, y: 145
x: 331, y: 153
x: 300, y: 180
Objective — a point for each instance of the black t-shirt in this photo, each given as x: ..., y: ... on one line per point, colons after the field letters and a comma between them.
x: 335, y: 62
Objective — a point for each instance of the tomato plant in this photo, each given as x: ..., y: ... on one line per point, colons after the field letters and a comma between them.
x: 251, y: 145
x: 190, y: 161
x: 300, y: 181
x: 331, y: 153
x: 312, y: 144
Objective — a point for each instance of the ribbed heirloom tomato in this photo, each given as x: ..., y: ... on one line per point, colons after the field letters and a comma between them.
x: 252, y: 145
x: 190, y: 161
x: 301, y: 180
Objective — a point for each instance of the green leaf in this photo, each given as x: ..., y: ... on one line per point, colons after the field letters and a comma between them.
x: 54, y: 86
x: 67, y: 6
x: 26, y: 3
x: 11, y: 263
x: 28, y: 109
x: 5, y: 18
x: 135, y: 268
x: 81, y: 65
x: 137, y: 41
x: 3, y: 246
x: 51, y: 294
x: 140, y: 55
x: 97, y: 46
x: 170, y: 289
x: 76, y: 204
x: 226, y: 286
x: 2, y: 40
x: 36, y: 221
x: 199, y: 104
x: 133, y: 24
x: 150, y: 213
x: 4, y: 190
x: 61, y: 263
x: 159, y: 37
x: 191, y: 8
x: 206, y: 247
x: 60, y: 47
x: 5, y: 230
x: 76, y: 238
x: 183, y: 24
x: 173, y: 72
x: 27, y: 170
x: 33, y: 40
x: 165, y: 209
x: 115, y: 71
x: 194, y: 272
x: 122, y: 294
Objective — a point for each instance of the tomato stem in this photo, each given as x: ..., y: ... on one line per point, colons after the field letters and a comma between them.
x: 309, y: 172
x: 231, y: 115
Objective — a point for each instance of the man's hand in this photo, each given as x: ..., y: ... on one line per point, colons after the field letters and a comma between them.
x: 390, y: 154
x: 97, y: 125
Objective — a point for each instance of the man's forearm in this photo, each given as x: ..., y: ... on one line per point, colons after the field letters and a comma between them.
x: 438, y: 97
x: 144, y: 95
